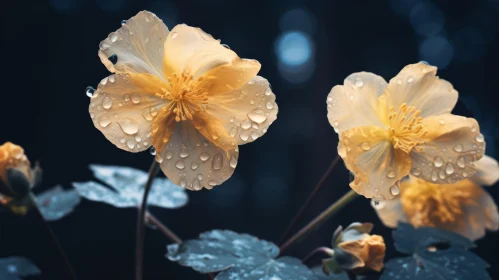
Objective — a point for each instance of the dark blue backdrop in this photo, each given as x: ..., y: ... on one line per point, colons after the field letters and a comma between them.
x: 49, y: 57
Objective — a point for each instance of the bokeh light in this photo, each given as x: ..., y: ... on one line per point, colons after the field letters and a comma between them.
x: 437, y: 51
x: 299, y: 20
x: 427, y: 19
x: 294, y: 50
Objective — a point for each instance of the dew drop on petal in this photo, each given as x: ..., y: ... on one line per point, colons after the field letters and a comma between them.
x: 90, y: 91
x: 449, y: 168
x: 458, y: 148
x: 128, y: 126
x: 359, y: 82
x: 410, y: 79
x: 126, y: 97
x: 434, y: 176
x: 194, y: 165
x: 204, y: 156
x: 168, y: 155
x: 254, y: 135
x: 182, y: 183
x: 438, y: 161
x: 390, y: 174
x: 183, y: 153
x: 378, y: 205
x: 107, y: 102
x: 130, y: 144
x: 104, y: 121
x: 196, y: 185
x: 174, y: 35
x: 159, y: 158
x: 233, y: 131
x: 123, y: 22
x: 135, y: 98
x: 395, y: 189
x: 233, y: 162
x: 465, y: 174
x: 200, y: 177
x: 365, y: 146
x: 246, y: 124
x: 244, y: 135
x: 152, y: 150
x: 269, y: 105
x: 217, y: 162
x: 479, y: 138
x: 212, y: 183
x: 257, y: 116
x: 416, y: 171
x: 180, y: 164
x: 461, y: 162
x: 442, y: 122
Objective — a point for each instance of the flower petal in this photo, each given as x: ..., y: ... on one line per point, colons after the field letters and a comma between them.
x: 487, y: 171
x: 123, y: 107
x: 452, y: 145
x: 390, y: 212
x: 246, y: 113
x: 479, y: 215
x: 193, y: 162
x: 376, y: 165
x: 354, y: 103
x: 214, y: 131
x: 191, y: 50
x: 138, y: 45
x: 418, y: 86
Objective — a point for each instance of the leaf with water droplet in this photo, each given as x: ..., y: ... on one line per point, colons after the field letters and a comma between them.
x: 237, y: 256
x: 56, y: 203
x: 13, y: 268
x: 127, y: 188
x: 435, y: 253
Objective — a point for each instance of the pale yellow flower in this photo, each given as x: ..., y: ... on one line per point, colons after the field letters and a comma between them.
x: 183, y: 93
x: 387, y: 131
x: 463, y: 207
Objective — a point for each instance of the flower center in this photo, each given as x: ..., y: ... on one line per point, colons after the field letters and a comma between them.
x: 405, y: 129
x: 186, y: 95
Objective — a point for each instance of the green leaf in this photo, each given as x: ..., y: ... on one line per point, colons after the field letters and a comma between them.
x: 435, y: 254
x: 237, y: 256
x: 57, y: 203
x: 12, y: 268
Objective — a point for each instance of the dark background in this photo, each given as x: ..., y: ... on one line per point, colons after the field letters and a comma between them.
x: 49, y: 57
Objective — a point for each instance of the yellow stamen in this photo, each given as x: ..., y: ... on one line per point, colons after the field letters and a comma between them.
x: 187, y: 96
x: 405, y: 129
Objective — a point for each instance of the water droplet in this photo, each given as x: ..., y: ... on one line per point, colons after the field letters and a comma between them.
x: 416, y: 171
x: 194, y: 166
x: 130, y: 144
x: 390, y: 174
x: 196, y: 185
x: 217, y: 162
x: 122, y: 140
x: 378, y: 205
x: 479, y: 138
x: 113, y: 58
x: 438, y: 161
x: 138, y: 138
x: 200, y: 177
x: 128, y: 126
x: 252, y: 102
x: 365, y: 146
x: 399, y: 82
x: 254, y: 135
x: 135, y: 98
x: 103, y: 45
x: 225, y: 46
x: 442, y: 122
x: 159, y: 158
x: 269, y: 105
x: 449, y: 168
x: 232, y: 119
x: 123, y: 22
x: 473, y: 129
x: 233, y: 162
x: 147, y: 115
x: 113, y: 37
x: 458, y: 148
x: 104, y: 121
x: 465, y: 174
x: 174, y: 35
x: 246, y: 124
x: 204, y: 156
x: 90, y: 91
x: 441, y: 174
x: 180, y: 164
x: 410, y: 79
x: 154, y: 111
x: 182, y: 183
x: 244, y: 135
x: 212, y: 183
x: 268, y: 91
x: 168, y: 155
x: 336, y: 123
x: 152, y: 150
x: 107, y: 102
x: 395, y: 189
x: 184, y: 152
x: 233, y: 131
x: 461, y: 162
x: 358, y: 82
x: 434, y: 176
x: 126, y: 98
x: 257, y: 116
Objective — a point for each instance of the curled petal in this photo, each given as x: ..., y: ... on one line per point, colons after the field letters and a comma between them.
x: 462, y: 207
x: 376, y: 165
x: 123, y: 107
x: 418, y: 86
x: 191, y: 50
x: 245, y: 113
x: 451, y: 146
x: 138, y: 46
x: 354, y: 103
x: 390, y: 212
x: 214, y: 131
x: 487, y: 171
x: 368, y: 252
x: 192, y: 161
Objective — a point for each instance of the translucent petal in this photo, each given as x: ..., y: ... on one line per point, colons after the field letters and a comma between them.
x: 487, y: 171
x: 452, y: 145
x: 138, y: 45
x: 376, y: 165
x: 123, y: 107
x: 390, y: 212
x: 354, y: 103
x: 418, y: 86
x: 97, y: 192
x: 191, y: 50
x: 192, y: 161
x: 214, y: 131
x: 246, y: 113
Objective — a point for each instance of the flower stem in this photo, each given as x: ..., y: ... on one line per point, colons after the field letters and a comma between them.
x: 309, y: 199
x: 153, y: 171
x: 321, y: 218
x: 163, y: 228
x: 52, y: 235
x: 325, y: 250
